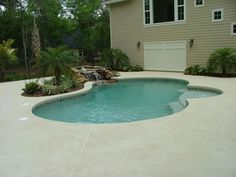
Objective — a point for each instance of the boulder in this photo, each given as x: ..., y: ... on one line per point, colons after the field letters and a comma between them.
x: 88, y: 70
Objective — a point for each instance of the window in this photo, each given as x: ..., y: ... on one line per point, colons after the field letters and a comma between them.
x: 147, y: 11
x: 180, y: 7
x: 217, y: 15
x: 198, y: 3
x: 233, y: 28
x: 159, y: 11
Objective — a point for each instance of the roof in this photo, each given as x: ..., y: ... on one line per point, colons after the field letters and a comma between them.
x: 106, y: 2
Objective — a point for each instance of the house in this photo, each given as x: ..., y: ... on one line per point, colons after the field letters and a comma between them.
x: 171, y: 35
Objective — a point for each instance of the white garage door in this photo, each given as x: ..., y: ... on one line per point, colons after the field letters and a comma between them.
x: 165, y: 56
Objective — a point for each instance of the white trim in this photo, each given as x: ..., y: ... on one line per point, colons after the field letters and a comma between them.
x: 176, y: 10
x: 201, y: 5
x: 106, y: 2
x: 110, y: 27
x: 176, y: 21
x: 180, y: 22
x: 151, y: 11
x: 232, y: 28
x: 213, y: 14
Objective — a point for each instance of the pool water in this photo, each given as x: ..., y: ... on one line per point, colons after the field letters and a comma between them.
x: 125, y: 101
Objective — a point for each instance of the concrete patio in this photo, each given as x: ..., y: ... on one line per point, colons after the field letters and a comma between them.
x: 199, y: 141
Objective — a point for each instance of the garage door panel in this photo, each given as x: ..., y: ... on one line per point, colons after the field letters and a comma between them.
x: 169, y: 56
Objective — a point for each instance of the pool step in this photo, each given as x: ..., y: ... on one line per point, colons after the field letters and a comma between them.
x: 176, y: 106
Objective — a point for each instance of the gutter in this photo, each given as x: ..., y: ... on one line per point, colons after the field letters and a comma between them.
x: 107, y: 2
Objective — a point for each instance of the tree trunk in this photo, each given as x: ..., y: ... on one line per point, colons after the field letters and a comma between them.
x: 223, y: 70
x: 57, y: 73
x: 2, y: 76
x: 24, y: 44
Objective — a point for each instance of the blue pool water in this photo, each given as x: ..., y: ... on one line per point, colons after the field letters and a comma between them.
x: 125, y: 101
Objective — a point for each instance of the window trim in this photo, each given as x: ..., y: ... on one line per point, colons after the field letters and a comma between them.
x: 176, y: 21
x: 176, y: 11
x: 201, y: 5
x: 213, y: 15
x: 144, y: 10
x: 232, y: 28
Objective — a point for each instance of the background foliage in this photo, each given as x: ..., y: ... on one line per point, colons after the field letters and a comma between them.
x: 78, y: 24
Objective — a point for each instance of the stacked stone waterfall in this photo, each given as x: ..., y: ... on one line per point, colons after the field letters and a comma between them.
x: 92, y: 73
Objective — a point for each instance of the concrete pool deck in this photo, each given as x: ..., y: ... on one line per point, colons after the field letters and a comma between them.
x: 199, y: 141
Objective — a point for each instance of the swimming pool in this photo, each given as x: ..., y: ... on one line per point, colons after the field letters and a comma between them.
x: 126, y: 101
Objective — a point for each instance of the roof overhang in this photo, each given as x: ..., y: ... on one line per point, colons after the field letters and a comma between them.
x: 107, y: 2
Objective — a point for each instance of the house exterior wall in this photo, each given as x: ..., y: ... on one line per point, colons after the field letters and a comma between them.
x: 127, y: 28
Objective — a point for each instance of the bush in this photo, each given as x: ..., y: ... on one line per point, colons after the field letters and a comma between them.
x: 133, y: 68
x: 31, y: 88
x: 196, y: 70
x: 115, y: 59
x: 66, y: 83
x: 50, y: 89
x: 222, y: 60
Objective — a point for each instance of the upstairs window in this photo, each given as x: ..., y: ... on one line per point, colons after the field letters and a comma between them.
x: 147, y: 11
x: 163, y: 11
x: 160, y: 11
x: 217, y: 15
x: 180, y: 9
x: 233, y: 28
x: 198, y: 3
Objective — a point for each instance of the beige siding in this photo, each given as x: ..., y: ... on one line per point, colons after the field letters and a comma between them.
x: 127, y: 26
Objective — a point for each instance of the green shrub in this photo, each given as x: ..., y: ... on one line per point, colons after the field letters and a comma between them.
x: 133, y: 68
x: 50, y: 89
x: 66, y: 83
x: 114, y: 59
x: 7, y: 57
x: 32, y: 88
x: 222, y: 60
x: 196, y: 70
x: 137, y: 68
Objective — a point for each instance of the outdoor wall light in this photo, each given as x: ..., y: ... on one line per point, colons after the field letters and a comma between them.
x: 191, y: 43
x: 138, y: 44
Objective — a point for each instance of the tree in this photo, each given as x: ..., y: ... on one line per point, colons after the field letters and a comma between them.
x: 222, y: 59
x: 57, y: 59
x: 36, y: 45
x: 7, y: 56
x: 93, y: 24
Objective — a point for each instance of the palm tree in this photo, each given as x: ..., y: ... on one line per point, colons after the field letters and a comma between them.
x: 7, y: 56
x: 115, y: 59
x: 57, y: 59
x: 223, y: 59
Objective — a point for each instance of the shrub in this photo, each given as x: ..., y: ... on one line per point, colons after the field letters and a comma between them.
x: 69, y: 82
x: 196, y: 70
x: 32, y: 88
x: 137, y: 68
x: 66, y: 83
x: 50, y: 89
x: 7, y: 56
x: 222, y: 60
x: 114, y: 59
x: 133, y: 68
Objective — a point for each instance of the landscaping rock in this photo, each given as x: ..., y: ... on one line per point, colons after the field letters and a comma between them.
x: 86, y: 70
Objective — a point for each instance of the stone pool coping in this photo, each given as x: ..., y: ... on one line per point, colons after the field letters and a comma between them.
x: 198, y: 141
